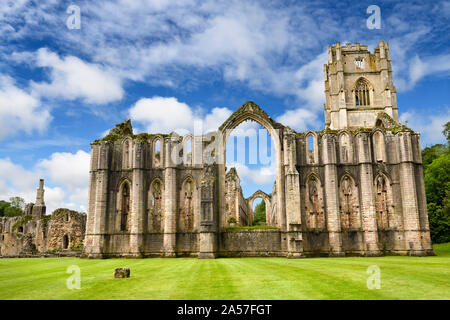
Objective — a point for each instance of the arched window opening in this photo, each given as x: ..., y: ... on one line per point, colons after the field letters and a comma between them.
x: 189, y: 151
x: 157, y: 152
x: 349, y: 203
x: 310, y: 149
x: 126, y: 155
x: 379, y: 124
x: 155, y: 205
x: 125, y: 210
x: 362, y: 97
x: 65, y: 241
x: 259, y: 212
x: 378, y: 141
x: 187, y: 206
x: 382, y: 202
x: 314, y: 205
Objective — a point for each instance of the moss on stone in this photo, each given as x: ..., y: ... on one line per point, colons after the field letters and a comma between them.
x: 21, y: 221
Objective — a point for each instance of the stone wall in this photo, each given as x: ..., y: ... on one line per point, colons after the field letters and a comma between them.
x: 354, y: 188
x: 61, y: 233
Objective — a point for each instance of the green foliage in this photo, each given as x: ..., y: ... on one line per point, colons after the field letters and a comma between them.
x: 3, y: 206
x: 77, y: 247
x: 17, y: 202
x: 21, y: 221
x: 436, y: 162
x: 232, y: 220
x: 13, y: 208
x: 45, y: 220
x: 12, y: 212
x: 260, y: 213
x: 446, y: 131
x: 431, y: 153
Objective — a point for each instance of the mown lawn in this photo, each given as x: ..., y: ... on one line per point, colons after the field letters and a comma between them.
x: 230, y: 278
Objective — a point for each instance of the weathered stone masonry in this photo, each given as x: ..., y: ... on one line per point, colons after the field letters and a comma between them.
x: 36, y: 234
x: 354, y: 188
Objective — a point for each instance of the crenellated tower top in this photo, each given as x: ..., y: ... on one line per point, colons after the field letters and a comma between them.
x: 358, y: 86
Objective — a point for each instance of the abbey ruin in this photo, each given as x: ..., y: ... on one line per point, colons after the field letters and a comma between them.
x: 36, y: 234
x: 355, y: 188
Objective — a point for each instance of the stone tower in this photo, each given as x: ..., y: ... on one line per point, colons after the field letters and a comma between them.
x: 39, y: 208
x: 358, y: 85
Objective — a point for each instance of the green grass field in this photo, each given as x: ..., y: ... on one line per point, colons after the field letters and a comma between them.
x: 230, y: 278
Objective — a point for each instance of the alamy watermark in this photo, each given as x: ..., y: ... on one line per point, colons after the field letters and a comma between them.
x: 74, y: 20
x: 374, y: 279
x: 74, y: 281
x: 374, y: 20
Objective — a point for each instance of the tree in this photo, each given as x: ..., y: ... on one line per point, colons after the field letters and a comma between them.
x: 436, y: 162
x: 13, y: 212
x: 3, y: 206
x: 431, y: 153
x: 17, y: 202
x: 446, y: 131
x: 260, y: 213
x: 13, y: 208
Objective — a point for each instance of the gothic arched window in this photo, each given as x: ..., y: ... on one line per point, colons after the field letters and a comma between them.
x: 125, y: 209
x: 157, y: 159
x: 362, y: 96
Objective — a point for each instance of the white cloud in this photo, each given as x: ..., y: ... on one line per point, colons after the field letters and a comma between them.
x: 420, y: 68
x: 72, y: 78
x: 67, y: 169
x: 66, y: 180
x: 20, y: 111
x: 161, y: 114
x: 300, y: 119
x: 430, y: 125
x: 261, y: 176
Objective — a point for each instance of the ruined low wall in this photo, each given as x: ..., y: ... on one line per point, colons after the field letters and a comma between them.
x: 252, y: 243
x: 60, y: 234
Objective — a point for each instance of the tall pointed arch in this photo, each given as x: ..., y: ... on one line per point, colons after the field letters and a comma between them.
x: 363, y: 92
x: 314, y: 204
x: 124, y: 205
x: 251, y: 111
x: 349, y: 203
x: 186, y: 217
x: 155, y: 206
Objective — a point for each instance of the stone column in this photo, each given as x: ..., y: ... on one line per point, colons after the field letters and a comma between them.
x: 208, y: 214
x: 369, y: 221
x: 292, y: 190
x: 170, y: 202
x: 332, y: 195
x: 101, y: 200
x: 88, y: 239
x: 137, y: 201
x: 411, y: 221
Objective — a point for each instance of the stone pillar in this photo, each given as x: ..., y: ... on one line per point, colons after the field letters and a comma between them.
x: 137, y: 201
x: 38, y: 209
x: 292, y: 190
x: 411, y: 221
x: 332, y: 195
x: 170, y: 202
x: 101, y: 201
x: 208, y: 214
x: 88, y: 239
x: 369, y: 221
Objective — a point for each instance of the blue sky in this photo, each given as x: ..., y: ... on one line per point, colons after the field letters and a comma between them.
x: 62, y: 88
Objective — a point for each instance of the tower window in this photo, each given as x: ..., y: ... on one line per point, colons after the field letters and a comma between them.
x: 362, y: 93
